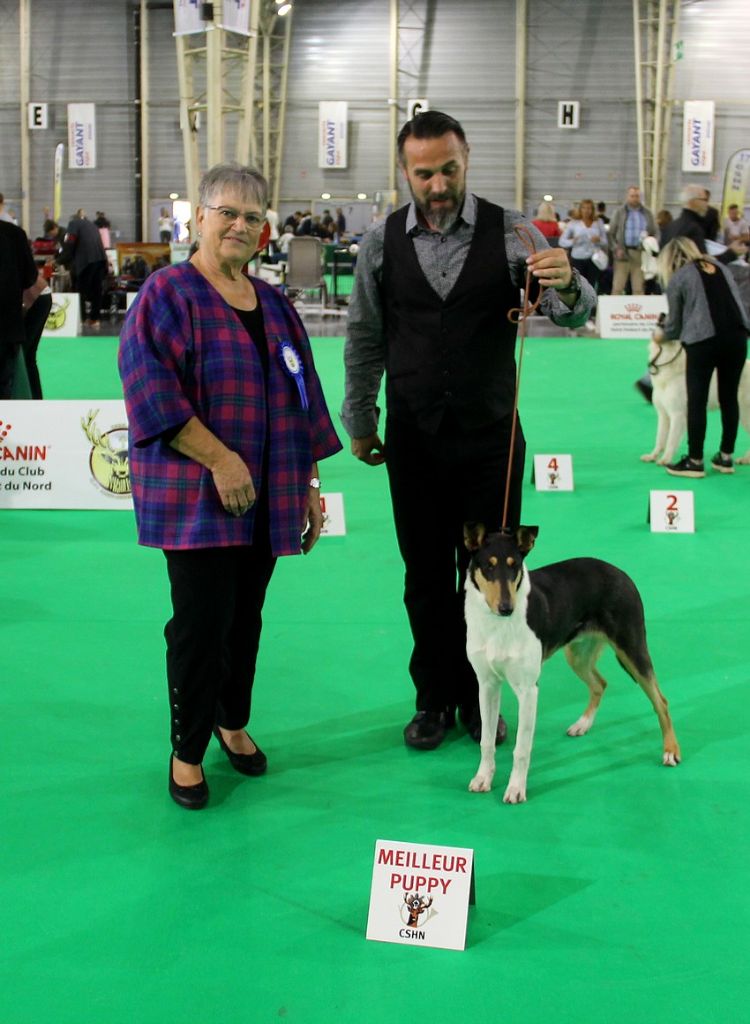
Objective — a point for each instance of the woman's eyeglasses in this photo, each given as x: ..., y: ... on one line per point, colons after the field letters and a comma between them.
x: 229, y: 216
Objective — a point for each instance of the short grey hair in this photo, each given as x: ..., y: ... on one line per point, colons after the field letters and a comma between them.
x: 690, y: 192
x: 245, y: 180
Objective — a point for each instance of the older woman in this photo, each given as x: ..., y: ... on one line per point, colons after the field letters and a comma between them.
x: 227, y: 422
x: 706, y: 313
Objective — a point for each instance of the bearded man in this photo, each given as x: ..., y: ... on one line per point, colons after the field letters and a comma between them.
x: 434, y: 283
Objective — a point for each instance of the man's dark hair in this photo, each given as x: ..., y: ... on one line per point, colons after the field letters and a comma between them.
x: 733, y: 206
x: 431, y: 124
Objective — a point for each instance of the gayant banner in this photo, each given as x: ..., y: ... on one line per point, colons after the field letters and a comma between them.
x: 332, y: 131
x: 698, y: 132
x: 81, y: 136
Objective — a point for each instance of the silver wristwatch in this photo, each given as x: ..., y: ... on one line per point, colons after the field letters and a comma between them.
x: 315, y: 482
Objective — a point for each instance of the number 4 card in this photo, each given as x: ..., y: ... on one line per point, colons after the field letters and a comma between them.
x: 553, y: 472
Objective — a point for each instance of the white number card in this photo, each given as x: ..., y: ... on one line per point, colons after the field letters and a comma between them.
x: 553, y: 472
x: 672, y: 512
x: 332, y: 507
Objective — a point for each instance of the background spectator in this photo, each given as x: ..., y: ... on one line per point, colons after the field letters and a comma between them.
x: 736, y: 228
x: 20, y: 285
x: 547, y: 222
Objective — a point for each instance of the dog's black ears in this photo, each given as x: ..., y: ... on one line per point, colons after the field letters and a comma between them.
x: 525, y: 537
x: 474, y: 534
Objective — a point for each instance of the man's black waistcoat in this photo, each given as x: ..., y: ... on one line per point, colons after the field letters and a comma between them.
x: 455, y: 354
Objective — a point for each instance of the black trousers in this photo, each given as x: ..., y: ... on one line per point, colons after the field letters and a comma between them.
x: 587, y: 269
x: 727, y: 356
x: 33, y: 322
x: 438, y: 483
x: 212, y: 639
x: 90, y: 282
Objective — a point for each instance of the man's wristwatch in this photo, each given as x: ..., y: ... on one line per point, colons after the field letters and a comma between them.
x: 315, y: 482
x: 573, y: 288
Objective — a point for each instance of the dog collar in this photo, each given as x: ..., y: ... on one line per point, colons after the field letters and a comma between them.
x: 654, y: 367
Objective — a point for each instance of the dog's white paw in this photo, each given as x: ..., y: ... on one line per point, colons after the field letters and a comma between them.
x: 670, y: 759
x: 481, y: 783
x: 744, y: 460
x: 515, y: 794
x: 651, y: 457
x: 581, y: 727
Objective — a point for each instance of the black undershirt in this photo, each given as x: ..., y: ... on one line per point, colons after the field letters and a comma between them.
x: 721, y: 303
x: 252, y: 321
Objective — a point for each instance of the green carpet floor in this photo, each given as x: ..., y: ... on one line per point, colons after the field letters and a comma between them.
x: 616, y: 895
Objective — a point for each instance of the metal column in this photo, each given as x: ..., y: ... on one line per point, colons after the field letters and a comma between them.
x: 655, y: 26
x: 24, y: 28
x: 411, y: 27
x: 242, y: 103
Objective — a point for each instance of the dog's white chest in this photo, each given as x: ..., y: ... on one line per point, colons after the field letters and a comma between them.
x: 501, y: 639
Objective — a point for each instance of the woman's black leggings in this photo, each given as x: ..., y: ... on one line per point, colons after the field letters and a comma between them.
x: 727, y: 356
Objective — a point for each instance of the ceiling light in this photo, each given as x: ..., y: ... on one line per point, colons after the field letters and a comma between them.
x: 284, y: 9
x: 548, y: 198
x: 174, y: 195
x: 361, y: 195
x: 325, y: 195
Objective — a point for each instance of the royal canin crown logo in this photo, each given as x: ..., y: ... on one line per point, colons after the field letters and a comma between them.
x: 21, y: 452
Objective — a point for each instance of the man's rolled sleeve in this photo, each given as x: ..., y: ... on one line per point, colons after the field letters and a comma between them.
x: 554, y: 307
x: 551, y: 305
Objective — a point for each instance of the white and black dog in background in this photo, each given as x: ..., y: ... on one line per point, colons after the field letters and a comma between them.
x: 666, y: 364
x: 516, y: 619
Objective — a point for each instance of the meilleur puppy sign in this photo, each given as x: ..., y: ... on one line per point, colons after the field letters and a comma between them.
x: 420, y: 894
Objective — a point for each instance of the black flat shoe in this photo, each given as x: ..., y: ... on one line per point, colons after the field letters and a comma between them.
x: 192, y: 797
x: 246, y: 764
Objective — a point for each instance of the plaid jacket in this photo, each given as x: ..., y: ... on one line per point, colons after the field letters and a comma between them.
x: 183, y: 353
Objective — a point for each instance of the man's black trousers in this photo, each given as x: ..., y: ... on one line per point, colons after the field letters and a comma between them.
x: 439, y: 482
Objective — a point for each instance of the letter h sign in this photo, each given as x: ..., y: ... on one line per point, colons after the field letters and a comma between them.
x: 568, y: 112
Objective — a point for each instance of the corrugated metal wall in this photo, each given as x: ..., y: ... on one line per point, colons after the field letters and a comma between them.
x: 589, y: 60
x: 80, y: 52
x: 579, y: 50
x: 716, y: 66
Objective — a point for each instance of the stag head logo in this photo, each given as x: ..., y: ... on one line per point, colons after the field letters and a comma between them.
x: 416, y: 906
x: 108, y: 459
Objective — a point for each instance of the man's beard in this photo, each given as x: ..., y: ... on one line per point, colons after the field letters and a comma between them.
x: 442, y: 217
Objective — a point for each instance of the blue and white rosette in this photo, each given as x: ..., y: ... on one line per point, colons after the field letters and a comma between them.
x: 293, y: 368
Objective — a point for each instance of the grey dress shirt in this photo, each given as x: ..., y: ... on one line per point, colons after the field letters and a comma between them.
x: 441, y: 257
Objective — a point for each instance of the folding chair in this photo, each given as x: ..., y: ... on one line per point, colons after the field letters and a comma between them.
x: 304, y: 271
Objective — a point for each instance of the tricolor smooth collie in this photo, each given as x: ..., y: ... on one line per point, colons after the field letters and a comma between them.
x: 516, y: 619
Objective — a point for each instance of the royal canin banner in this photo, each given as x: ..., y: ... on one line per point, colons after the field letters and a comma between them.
x: 64, y: 454
x: 629, y: 316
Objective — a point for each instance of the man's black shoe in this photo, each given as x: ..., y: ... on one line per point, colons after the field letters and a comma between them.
x: 473, y: 723
x: 426, y: 730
